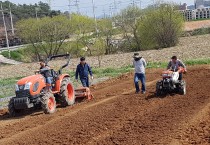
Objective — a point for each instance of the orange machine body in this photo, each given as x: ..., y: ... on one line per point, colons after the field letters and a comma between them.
x: 37, y: 83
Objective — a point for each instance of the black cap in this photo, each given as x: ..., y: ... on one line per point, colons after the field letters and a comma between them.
x: 174, y: 57
x: 42, y: 60
x: 82, y: 59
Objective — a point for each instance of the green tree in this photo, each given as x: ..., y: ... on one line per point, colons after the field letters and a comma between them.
x: 46, y: 34
x: 25, y: 11
x: 107, y: 31
x: 84, y: 28
x: 99, y: 48
x: 128, y: 20
x: 161, y: 26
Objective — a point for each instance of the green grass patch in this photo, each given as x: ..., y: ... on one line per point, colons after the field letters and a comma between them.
x: 200, y: 19
x: 198, y: 61
x: 8, y: 89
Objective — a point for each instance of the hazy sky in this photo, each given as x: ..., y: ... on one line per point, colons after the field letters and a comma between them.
x: 102, y: 6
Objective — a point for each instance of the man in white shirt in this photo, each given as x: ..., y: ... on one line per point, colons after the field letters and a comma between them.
x: 139, y: 64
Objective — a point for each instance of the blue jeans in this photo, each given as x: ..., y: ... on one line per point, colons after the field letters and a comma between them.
x: 49, y: 81
x: 85, y: 82
x: 142, y: 78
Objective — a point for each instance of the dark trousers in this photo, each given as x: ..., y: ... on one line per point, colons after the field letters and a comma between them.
x: 85, y: 82
x: 142, y: 78
x: 180, y: 76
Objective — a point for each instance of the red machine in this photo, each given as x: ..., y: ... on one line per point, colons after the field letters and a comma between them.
x: 32, y: 92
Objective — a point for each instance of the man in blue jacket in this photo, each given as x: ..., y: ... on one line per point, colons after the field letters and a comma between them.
x: 83, y: 69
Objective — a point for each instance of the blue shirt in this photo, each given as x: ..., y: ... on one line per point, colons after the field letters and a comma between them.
x: 83, y: 70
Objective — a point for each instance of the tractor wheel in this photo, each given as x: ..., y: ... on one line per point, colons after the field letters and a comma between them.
x: 182, y: 88
x: 67, y: 93
x: 11, y: 108
x: 158, y: 90
x: 48, y: 103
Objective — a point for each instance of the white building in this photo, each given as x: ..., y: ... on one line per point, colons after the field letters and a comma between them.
x: 201, y: 13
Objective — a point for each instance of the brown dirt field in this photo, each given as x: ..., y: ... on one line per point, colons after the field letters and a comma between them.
x: 118, y: 116
x: 190, y: 26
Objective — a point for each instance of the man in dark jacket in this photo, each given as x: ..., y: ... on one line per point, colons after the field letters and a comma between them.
x: 83, y: 69
x: 45, y: 71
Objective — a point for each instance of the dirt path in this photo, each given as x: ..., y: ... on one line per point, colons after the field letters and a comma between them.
x: 115, y: 116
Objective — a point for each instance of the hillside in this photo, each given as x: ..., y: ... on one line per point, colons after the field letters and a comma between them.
x: 189, y: 48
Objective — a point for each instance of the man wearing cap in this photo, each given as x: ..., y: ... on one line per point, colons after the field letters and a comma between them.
x: 174, y: 64
x: 139, y: 64
x: 83, y: 69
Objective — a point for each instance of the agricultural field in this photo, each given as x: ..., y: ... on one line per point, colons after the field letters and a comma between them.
x: 119, y: 116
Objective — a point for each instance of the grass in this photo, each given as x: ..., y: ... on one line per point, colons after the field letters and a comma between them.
x: 7, y: 85
x: 198, y: 61
x: 200, y: 19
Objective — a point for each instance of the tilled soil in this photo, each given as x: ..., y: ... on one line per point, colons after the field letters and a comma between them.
x: 119, y: 116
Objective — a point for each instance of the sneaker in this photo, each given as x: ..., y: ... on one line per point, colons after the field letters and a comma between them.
x: 136, y: 92
x: 144, y: 92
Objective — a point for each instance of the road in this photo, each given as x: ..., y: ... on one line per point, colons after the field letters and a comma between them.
x: 116, y: 116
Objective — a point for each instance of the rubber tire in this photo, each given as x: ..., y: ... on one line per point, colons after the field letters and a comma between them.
x: 65, y: 101
x: 44, y: 103
x: 182, y: 88
x: 12, y: 111
x: 158, y: 91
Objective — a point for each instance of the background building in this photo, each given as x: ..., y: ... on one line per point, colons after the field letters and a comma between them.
x: 202, y: 3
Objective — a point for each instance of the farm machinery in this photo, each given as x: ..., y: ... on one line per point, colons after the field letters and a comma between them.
x: 33, y: 92
x: 170, y: 82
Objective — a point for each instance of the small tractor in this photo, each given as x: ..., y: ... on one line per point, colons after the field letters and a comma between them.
x: 170, y: 83
x: 31, y: 91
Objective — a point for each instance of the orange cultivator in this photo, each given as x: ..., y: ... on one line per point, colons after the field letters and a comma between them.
x: 83, y: 92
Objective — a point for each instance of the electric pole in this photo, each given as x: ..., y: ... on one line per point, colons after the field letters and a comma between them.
x: 36, y: 10
x: 77, y: 5
x: 104, y: 13
x: 94, y: 15
x: 5, y: 28
x: 10, y: 12
x: 140, y: 4
x: 69, y: 9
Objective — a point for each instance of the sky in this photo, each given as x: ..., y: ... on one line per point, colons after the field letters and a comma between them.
x: 102, y: 7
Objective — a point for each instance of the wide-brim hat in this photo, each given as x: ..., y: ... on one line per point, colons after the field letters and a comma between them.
x: 136, y: 55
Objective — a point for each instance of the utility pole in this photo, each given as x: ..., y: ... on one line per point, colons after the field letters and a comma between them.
x: 49, y: 3
x: 94, y: 15
x: 13, y: 31
x: 77, y: 5
x: 36, y: 10
x: 104, y: 13
x: 133, y: 3
x: 115, y: 7
x: 140, y: 4
x: 5, y: 28
x: 69, y: 9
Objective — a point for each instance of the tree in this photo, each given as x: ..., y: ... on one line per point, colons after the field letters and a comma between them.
x: 128, y: 20
x: 106, y: 30
x: 161, y: 26
x: 84, y: 27
x: 25, y: 11
x: 46, y: 34
x: 99, y: 49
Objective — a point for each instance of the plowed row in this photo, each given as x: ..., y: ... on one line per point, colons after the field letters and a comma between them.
x: 118, y: 116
